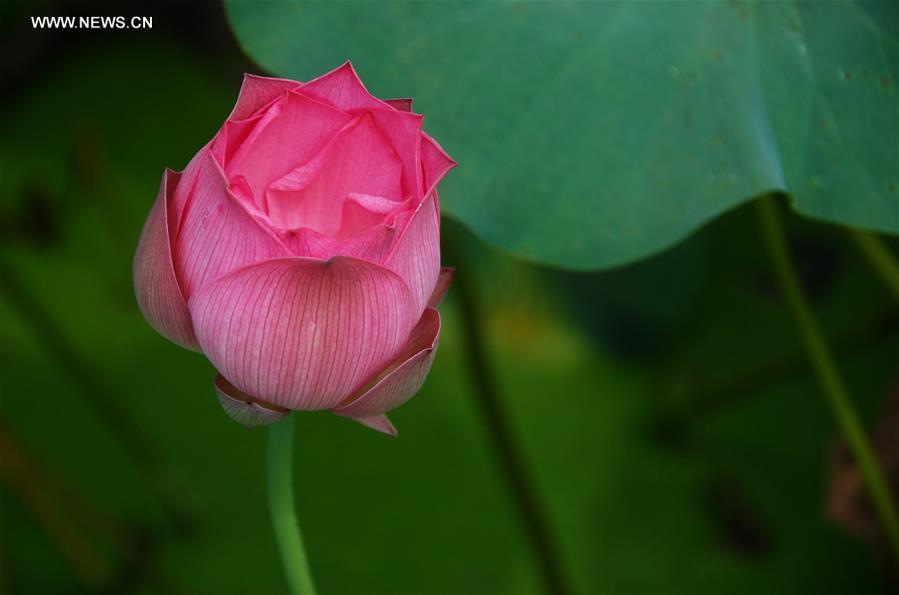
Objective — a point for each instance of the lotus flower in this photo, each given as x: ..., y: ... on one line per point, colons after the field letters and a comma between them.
x: 299, y: 251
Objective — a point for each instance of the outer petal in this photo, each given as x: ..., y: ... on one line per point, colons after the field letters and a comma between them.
x: 435, y: 163
x: 402, y: 378
x: 155, y: 283
x: 443, y: 282
x: 243, y: 408
x: 302, y: 333
x: 258, y: 91
x: 416, y: 255
x: 217, y: 234
x: 404, y: 132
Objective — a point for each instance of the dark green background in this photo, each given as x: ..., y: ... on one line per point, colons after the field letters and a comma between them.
x: 677, y: 442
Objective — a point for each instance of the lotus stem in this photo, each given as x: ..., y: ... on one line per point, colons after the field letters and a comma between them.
x: 500, y: 434
x: 879, y: 257
x: 281, y: 507
x: 827, y: 372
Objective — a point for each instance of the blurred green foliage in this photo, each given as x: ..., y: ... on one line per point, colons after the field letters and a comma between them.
x: 677, y: 441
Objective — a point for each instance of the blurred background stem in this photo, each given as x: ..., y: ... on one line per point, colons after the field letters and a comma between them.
x: 698, y: 398
x: 500, y: 434
x: 53, y: 511
x: 282, y: 507
x: 879, y: 257
x: 95, y: 392
x: 87, y: 384
x: 826, y: 369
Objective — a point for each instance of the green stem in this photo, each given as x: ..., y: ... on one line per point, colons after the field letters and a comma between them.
x: 879, y: 257
x: 500, y: 431
x: 827, y: 372
x: 281, y: 506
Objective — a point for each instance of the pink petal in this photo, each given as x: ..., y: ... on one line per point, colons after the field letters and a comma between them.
x: 372, y: 245
x: 243, y: 408
x: 239, y: 139
x: 302, y: 333
x: 155, y: 283
x: 379, y: 422
x: 290, y: 132
x: 403, y: 377
x: 343, y: 89
x: 434, y: 162
x: 358, y: 160
x: 403, y: 130
x: 361, y: 212
x: 183, y: 193
x: 217, y: 234
x: 416, y: 255
x: 443, y: 283
x: 230, y: 138
x: 258, y: 91
x: 303, y: 241
x: 403, y: 105
x: 372, y: 203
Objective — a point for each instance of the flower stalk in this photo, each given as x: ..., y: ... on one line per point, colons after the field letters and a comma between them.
x: 827, y: 372
x: 281, y: 506
x: 879, y: 257
x: 523, y: 491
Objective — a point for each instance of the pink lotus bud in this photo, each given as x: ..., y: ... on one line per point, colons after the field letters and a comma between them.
x: 300, y: 251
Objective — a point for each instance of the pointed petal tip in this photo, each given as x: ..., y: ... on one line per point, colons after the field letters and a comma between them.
x: 379, y: 423
x: 435, y: 161
x: 345, y: 66
x: 348, y: 65
x: 343, y: 88
x: 257, y: 91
